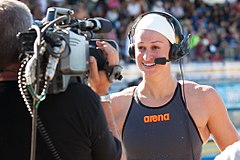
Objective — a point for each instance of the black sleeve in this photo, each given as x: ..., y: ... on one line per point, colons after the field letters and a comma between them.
x: 105, y: 145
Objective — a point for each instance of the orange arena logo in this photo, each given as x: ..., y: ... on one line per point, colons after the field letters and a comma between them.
x: 156, y: 118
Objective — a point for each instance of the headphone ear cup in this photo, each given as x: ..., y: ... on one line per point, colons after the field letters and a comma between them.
x: 174, y: 53
x: 177, y: 51
x: 131, y: 51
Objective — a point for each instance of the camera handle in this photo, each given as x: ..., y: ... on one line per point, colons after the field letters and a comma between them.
x: 114, y: 72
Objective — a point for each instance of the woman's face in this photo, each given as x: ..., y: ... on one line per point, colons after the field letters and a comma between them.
x: 150, y: 45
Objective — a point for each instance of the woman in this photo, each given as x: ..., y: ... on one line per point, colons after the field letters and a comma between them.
x: 163, y: 118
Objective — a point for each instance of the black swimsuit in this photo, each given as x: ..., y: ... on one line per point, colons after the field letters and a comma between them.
x: 162, y: 132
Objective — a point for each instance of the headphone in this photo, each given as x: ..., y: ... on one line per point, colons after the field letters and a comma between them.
x: 177, y: 50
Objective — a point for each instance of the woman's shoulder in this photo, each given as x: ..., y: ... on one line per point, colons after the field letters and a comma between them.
x: 199, y: 90
x: 195, y: 86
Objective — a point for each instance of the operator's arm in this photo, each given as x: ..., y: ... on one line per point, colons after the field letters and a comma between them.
x: 105, y: 145
x: 100, y: 84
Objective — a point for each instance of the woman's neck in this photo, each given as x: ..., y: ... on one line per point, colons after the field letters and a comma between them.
x: 158, y: 88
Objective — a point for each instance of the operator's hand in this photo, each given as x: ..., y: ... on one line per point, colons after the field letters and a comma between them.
x: 98, y: 79
x: 109, y: 52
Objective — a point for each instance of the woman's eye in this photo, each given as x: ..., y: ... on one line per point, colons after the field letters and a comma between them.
x: 140, y: 48
x: 155, y: 47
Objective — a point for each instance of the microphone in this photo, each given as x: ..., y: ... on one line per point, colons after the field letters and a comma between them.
x: 162, y: 60
x: 97, y: 25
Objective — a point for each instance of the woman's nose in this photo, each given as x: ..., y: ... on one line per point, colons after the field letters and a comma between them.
x: 147, y: 55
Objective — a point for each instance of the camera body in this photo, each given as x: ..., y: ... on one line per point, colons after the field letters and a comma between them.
x: 62, y: 46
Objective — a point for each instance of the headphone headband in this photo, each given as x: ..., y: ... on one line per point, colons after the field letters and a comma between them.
x: 177, y: 27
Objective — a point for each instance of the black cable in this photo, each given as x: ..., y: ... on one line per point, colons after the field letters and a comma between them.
x: 182, y: 77
x: 186, y: 109
x: 42, y: 130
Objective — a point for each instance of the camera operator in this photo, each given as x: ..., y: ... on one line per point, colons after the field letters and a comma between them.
x: 74, y: 119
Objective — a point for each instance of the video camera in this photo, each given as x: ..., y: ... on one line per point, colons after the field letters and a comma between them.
x: 58, y: 48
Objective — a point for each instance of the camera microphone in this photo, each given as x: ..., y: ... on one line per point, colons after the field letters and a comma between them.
x: 162, y: 60
x: 97, y: 25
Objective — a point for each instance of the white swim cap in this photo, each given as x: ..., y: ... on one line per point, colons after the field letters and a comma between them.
x: 157, y: 23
